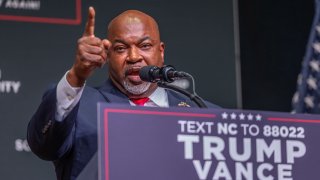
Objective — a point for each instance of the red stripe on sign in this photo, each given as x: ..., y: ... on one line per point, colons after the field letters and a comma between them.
x: 294, y: 120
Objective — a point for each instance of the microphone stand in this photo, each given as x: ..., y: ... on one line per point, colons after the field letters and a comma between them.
x: 195, y: 98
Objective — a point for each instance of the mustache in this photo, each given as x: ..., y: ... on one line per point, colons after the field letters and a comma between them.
x: 132, y: 70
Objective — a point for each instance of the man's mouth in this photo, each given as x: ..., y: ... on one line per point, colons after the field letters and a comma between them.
x: 133, y: 75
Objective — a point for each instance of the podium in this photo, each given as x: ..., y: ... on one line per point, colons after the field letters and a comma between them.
x: 188, y: 143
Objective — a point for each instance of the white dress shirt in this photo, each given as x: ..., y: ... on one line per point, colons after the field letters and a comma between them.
x: 158, y: 98
x: 68, y: 97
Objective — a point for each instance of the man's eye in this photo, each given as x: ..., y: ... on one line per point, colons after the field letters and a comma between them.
x: 146, y: 46
x: 119, y: 49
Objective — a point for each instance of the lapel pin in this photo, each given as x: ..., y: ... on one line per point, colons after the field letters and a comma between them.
x: 183, y: 104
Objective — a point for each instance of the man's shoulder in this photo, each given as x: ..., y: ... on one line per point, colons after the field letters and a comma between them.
x: 106, y: 92
x: 91, y: 93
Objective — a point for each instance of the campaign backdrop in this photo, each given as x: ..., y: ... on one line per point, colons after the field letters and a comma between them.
x: 37, y: 46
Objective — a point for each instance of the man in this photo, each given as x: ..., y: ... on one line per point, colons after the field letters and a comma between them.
x: 63, y: 129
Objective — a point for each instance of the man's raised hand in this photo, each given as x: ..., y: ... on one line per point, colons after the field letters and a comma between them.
x: 89, y: 29
x: 91, y: 53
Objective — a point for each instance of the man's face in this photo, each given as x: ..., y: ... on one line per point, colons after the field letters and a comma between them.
x: 135, y: 43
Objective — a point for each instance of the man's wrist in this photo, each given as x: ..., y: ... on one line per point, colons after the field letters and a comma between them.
x: 74, y: 80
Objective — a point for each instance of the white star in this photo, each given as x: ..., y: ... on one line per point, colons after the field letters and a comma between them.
x: 242, y: 116
x: 258, y: 117
x: 309, y: 101
x: 250, y: 117
x: 224, y: 115
x: 233, y: 116
x: 312, y: 82
x: 295, y: 98
x: 316, y: 47
x: 314, y: 65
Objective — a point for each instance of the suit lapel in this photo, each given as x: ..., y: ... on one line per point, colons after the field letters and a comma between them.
x: 112, y: 94
x: 178, y: 100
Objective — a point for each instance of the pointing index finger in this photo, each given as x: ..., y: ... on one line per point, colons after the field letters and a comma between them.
x: 89, y: 29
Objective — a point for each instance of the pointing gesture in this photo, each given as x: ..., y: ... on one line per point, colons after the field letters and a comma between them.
x: 91, y: 53
x: 89, y: 30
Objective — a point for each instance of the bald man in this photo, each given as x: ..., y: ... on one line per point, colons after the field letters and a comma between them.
x: 64, y: 128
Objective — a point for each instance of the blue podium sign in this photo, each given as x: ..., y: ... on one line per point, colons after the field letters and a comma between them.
x: 186, y: 143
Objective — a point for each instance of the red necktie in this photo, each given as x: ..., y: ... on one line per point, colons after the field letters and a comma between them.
x: 140, y: 101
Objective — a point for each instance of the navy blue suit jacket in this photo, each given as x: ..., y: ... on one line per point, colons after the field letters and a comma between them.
x: 71, y: 143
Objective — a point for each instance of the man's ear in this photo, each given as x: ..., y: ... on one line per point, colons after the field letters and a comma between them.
x: 162, y: 47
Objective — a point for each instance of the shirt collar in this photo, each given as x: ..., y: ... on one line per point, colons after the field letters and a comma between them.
x: 160, y: 97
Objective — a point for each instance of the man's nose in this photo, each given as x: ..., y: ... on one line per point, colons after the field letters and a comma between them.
x: 134, y: 55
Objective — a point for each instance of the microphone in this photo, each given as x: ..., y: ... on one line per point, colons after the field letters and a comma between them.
x: 166, y: 73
